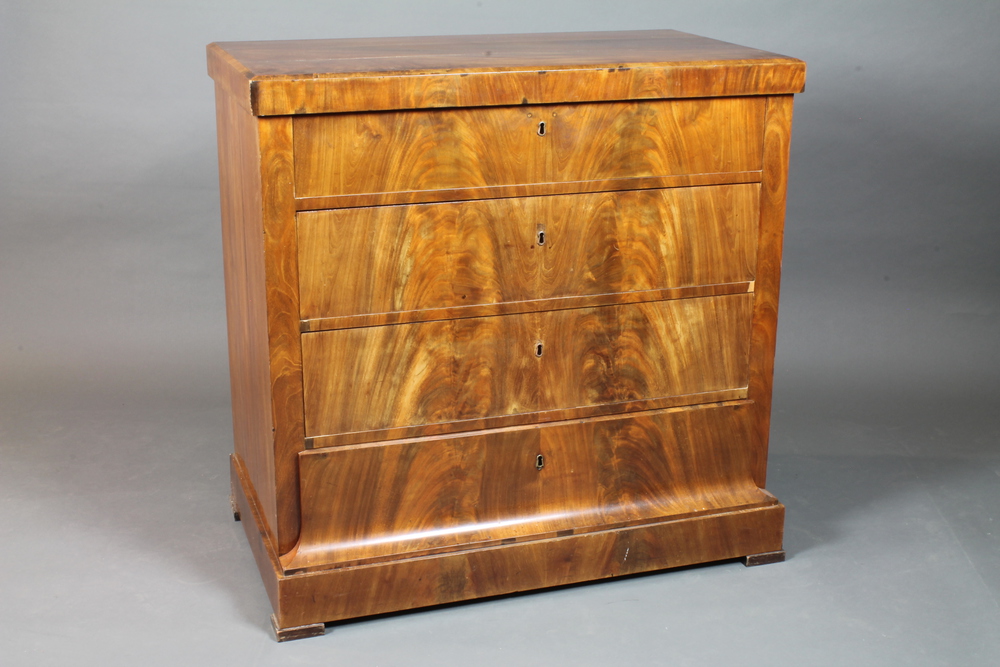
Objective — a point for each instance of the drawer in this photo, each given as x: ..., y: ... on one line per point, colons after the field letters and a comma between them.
x: 452, y: 149
x: 454, y: 371
x: 398, y: 259
x: 436, y: 494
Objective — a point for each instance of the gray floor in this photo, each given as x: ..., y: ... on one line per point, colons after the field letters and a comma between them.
x: 120, y: 548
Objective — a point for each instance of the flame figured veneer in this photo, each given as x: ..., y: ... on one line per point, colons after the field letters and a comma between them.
x: 501, y: 310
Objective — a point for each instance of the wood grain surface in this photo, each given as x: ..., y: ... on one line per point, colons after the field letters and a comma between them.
x: 502, y: 310
x: 436, y: 256
x: 777, y: 139
x: 324, y: 76
x: 344, y: 154
x: 246, y: 309
x: 282, y: 298
x: 349, y: 592
x: 430, y: 495
x: 446, y: 371
x: 345, y: 593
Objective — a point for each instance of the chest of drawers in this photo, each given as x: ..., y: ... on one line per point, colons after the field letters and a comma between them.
x: 501, y: 310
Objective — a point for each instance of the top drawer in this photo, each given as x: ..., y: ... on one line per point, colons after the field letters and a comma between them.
x: 453, y: 149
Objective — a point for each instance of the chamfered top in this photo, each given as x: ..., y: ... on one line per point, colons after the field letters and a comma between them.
x: 340, y: 75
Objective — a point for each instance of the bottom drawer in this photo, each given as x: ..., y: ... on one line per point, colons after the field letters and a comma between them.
x: 405, y: 498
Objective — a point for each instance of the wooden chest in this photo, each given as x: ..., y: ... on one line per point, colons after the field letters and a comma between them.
x: 501, y: 310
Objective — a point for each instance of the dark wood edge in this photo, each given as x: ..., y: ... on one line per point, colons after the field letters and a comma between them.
x: 255, y: 528
x: 297, y: 632
x: 242, y: 240
x: 363, y: 200
x: 526, y: 419
x: 764, y: 558
x: 518, y: 307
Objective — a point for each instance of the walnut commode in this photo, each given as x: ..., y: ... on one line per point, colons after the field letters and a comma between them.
x: 501, y: 310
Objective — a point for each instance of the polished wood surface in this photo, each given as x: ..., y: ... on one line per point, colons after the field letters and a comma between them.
x: 349, y: 592
x: 456, y: 255
x: 324, y: 76
x: 777, y: 138
x: 246, y: 311
x: 412, y: 55
x: 281, y: 294
x: 345, y: 154
x: 451, y: 370
x: 258, y: 225
x: 519, y: 484
x: 473, y: 354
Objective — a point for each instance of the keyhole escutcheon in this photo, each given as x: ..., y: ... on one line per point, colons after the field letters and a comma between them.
x: 539, y: 462
x: 541, y: 129
x: 541, y: 237
x: 538, y: 349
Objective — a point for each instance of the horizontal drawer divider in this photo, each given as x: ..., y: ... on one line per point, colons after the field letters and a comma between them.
x: 523, y: 190
x: 514, y: 307
x: 525, y: 419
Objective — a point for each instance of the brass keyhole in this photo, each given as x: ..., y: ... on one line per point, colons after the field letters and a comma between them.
x: 541, y: 129
x: 539, y: 462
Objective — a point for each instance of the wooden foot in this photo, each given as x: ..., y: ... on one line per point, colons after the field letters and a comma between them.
x: 236, y: 508
x: 764, y: 558
x: 298, y: 632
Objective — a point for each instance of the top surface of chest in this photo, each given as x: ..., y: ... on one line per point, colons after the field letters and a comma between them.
x: 343, y: 75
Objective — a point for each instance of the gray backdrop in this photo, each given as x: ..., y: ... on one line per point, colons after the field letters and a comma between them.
x: 115, y: 541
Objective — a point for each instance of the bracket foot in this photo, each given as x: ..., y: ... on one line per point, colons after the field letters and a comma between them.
x: 764, y: 558
x: 236, y: 508
x: 298, y: 632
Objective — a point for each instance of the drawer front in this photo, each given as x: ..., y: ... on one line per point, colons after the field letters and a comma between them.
x: 408, y: 258
x: 389, y: 499
x: 400, y: 151
x: 372, y: 378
